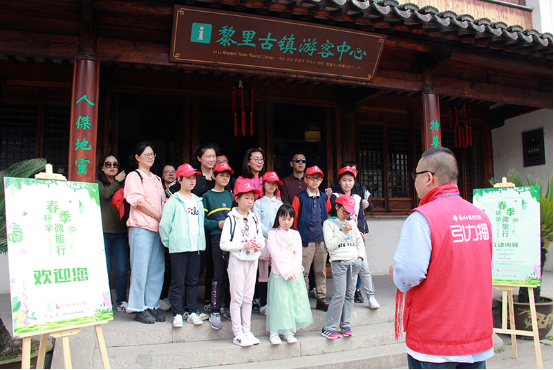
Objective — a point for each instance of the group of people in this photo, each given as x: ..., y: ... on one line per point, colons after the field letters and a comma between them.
x: 256, y: 237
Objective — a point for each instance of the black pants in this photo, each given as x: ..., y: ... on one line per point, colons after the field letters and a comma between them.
x: 185, y: 268
x: 207, y: 264
x: 167, y: 276
x: 262, y: 288
x: 220, y: 281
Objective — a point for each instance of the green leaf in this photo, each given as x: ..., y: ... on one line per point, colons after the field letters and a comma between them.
x: 17, y: 307
x: 16, y: 236
x: 515, y: 177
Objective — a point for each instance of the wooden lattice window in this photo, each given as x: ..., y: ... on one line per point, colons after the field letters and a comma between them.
x: 17, y: 133
x: 56, y: 136
x: 398, y: 162
x: 370, y: 160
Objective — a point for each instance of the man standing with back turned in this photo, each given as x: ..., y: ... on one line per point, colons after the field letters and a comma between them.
x: 443, y: 264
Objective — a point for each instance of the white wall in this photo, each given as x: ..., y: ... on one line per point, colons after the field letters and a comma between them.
x: 384, y: 233
x: 542, y: 15
x: 508, y: 150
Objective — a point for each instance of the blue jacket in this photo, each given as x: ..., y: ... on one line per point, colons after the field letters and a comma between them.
x: 304, y: 213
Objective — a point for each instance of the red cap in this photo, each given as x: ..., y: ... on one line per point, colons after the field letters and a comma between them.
x: 347, y: 169
x: 246, y: 187
x: 186, y: 170
x: 222, y: 167
x: 271, y: 176
x: 314, y: 169
x: 347, y: 202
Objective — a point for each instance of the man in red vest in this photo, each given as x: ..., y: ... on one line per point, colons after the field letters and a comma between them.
x: 443, y: 264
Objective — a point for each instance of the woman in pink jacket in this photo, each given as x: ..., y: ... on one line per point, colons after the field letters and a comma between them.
x: 145, y: 194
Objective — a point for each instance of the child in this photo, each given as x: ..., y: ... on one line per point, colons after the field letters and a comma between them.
x: 217, y: 204
x: 347, y: 180
x: 346, y: 251
x: 266, y: 210
x: 310, y: 210
x: 182, y: 231
x: 242, y: 235
x: 289, y: 305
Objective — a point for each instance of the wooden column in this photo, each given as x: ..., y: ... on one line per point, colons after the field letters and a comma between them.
x: 430, y: 129
x: 84, y: 119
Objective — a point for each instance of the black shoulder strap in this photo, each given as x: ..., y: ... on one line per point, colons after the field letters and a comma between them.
x: 232, y: 228
x: 138, y: 173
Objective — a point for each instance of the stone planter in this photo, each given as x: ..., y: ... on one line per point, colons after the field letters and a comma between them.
x: 523, y: 316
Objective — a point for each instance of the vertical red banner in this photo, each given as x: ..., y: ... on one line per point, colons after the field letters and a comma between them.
x: 431, y: 130
x: 84, y: 117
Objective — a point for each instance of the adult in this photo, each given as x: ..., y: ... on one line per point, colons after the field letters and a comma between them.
x: 220, y: 158
x: 145, y: 194
x: 294, y: 183
x: 115, y: 232
x: 168, y: 183
x: 168, y: 178
x: 437, y: 266
x: 252, y: 165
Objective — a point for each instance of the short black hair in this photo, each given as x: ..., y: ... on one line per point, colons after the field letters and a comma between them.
x: 246, y: 172
x: 442, y: 162
x: 349, y: 163
x: 297, y: 153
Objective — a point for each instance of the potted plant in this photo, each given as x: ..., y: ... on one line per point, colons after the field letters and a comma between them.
x: 22, y: 169
x: 521, y: 301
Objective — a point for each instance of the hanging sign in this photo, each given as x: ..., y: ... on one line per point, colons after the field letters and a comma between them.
x: 220, y: 38
x: 515, y: 217
x: 58, y: 274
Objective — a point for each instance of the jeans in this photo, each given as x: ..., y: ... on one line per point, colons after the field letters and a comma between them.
x: 147, y: 269
x: 184, y: 270
x: 416, y: 364
x: 344, y: 279
x: 116, y: 245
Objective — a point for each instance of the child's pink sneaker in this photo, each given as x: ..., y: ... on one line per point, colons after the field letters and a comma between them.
x: 346, y: 331
x: 330, y: 334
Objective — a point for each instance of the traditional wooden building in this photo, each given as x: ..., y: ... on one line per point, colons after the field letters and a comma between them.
x: 79, y: 78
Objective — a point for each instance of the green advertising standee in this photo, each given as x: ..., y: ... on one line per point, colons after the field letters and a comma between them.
x: 515, y: 217
x: 57, y: 264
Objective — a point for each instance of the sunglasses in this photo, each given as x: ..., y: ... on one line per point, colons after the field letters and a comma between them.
x: 298, y: 160
x: 110, y: 164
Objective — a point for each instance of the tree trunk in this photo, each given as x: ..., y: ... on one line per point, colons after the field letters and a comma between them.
x: 7, y: 344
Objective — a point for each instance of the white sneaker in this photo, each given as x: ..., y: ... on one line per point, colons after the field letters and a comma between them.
x: 194, y: 318
x: 204, y: 316
x: 242, y: 340
x: 263, y: 310
x: 274, y: 339
x: 252, y: 338
x: 373, y: 304
x: 290, y: 338
x: 122, y: 307
x: 178, y: 321
x: 165, y: 304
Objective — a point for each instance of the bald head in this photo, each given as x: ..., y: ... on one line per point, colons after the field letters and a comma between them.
x: 443, y: 163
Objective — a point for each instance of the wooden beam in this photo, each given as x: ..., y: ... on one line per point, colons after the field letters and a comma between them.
x: 32, y: 44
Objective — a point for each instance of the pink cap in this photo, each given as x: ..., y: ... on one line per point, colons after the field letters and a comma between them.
x: 271, y: 176
x: 223, y: 166
x: 186, y: 170
x: 246, y: 187
x: 347, y: 202
x: 314, y: 169
x: 347, y: 169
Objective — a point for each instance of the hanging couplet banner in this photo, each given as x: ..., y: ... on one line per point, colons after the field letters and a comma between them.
x: 84, y: 117
x: 431, y: 121
x: 57, y: 264
x: 252, y: 42
x: 515, y: 217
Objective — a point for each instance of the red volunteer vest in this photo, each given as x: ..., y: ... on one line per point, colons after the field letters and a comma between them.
x: 449, y: 313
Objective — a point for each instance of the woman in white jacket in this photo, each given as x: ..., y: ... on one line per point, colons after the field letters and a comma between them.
x: 242, y: 236
x: 346, y: 251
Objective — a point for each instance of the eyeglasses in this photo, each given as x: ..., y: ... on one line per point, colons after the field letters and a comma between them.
x: 414, y: 175
x: 150, y: 155
x: 298, y: 160
x: 344, y: 211
x: 168, y: 172
x: 257, y: 159
x: 315, y: 178
x: 222, y: 161
x: 110, y: 164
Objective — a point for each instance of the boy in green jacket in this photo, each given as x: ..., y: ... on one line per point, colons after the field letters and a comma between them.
x: 217, y: 203
x: 182, y: 231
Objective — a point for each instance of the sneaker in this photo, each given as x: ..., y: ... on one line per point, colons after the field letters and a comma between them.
x: 178, y: 321
x: 313, y: 293
x: 330, y: 334
x: 263, y: 310
x: 165, y: 304
x: 274, y: 339
x: 227, y: 314
x: 256, y: 304
x: 242, y: 340
x: 160, y: 317
x: 321, y: 304
x: 194, y: 318
x: 346, y: 331
x: 122, y: 307
x: 358, y: 297
x: 207, y: 307
x: 204, y: 316
x: 373, y: 304
x: 145, y: 317
x: 290, y: 338
x: 252, y: 338
x: 215, y: 320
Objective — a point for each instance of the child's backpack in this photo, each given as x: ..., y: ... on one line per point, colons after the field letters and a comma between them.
x: 232, y: 230
x: 119, y: 202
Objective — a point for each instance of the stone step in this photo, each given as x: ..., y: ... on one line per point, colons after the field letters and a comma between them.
x: 124, y: 331
x: 216, y: 352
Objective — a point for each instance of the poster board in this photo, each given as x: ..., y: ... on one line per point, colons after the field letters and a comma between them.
x: 515, y: 217
x: 57, y: 263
